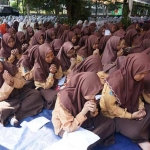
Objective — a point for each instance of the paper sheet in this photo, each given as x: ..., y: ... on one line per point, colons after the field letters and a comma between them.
x: 77, y: 140
x: 60, y: 145
x: 61, y: 81
x: 97, y: 97
x: 35, y: 124
x: 107, y: 32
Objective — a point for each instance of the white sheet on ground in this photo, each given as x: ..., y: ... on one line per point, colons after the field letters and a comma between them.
x: 77, y: 140
x: 35, y: 124
x: 61, y: 81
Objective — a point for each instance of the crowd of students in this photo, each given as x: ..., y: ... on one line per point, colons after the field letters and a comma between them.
x: 35, y: 55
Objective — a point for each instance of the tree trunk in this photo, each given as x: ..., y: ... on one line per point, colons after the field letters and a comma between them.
x: 28, y: 10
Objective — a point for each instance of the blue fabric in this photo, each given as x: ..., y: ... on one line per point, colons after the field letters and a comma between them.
x: 21, y: 138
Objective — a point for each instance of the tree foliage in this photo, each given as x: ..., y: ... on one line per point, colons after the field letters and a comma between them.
x: 75, y: 8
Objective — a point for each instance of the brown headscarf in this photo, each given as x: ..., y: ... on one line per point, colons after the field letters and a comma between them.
x: 72, y: 96
x: 110, y: 51
x: 36, y: 37
x: 15, y: 25
x: 147, y: 77
x: 90, y: 64
x: 56, y: 45
x: 111, y: 68
x: 85, y: 31
x: 10, y: 68
x: 123, y: 85
x: 77, y: 31
x: 82, y: 40
x: 64, y: 60
x: 64, y: 35
x: 29, y: 57
x: 27, y: 36
x: 110, y: 27
x: 70, y: 35
x: 147, y: 35
x: 141, y: 46
x: 132, y: 26
x: 92, y: 27
x: 19, y: 35
x: 139, y: 38
x: 130, y: 35
x: 41, y: 67
x: 60, y: 30
x: 87, y: 50
x: 48, y: 34
x: 103, y: 42
x: 5, y: 49
x: 120, y: 33
x: 43, y: 29
x: 11, y: 31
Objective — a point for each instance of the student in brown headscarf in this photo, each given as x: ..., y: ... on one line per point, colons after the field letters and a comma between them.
x: 90, y: 48
x: 76, y: 106
x: 141, y: 36
x: 103, y: 42
x: 111, y: 68
x: 66, y: 55
x: 47, y: 70
x: 147, y: 34
x: 72, y: 37
x: 16, y: 101
x: 140, y: 47
x: 21, y: 44
x: 90, y: 64
x: 37, y: 39
x: 8, y: 50
x: 28, y: 35
x: 130, y: 36
x: 26, y: 62
x: 64, y: 35
x: 50, y: 35
x: 56, y: 44
x: 146, y: 92
x: 12, y: 32
x: 85, y: 35
x: 121, y: 99
x: 114, y: 48
x: 111, y: 27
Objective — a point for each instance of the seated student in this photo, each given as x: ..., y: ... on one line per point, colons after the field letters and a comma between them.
x: 16, y: 101
x: 121, y: 99
x: 76, y: 106
x: 21, y: 45
x: 110, y: 68
x: 85, y: 35
x: 12, y: 32
x: 130, y: 36
x: 90, y: 64
x: 56, y: 45
x: 29, y: 34
x: 8, y: 51
x: 37, y: 39
x: 47, y: 70
x: 26, y: 63
x: 50, y: 35
x: 72, y: 37
x: 146, y: 91
x: 91, y: 46
x: 140, y: 46
x: 114, y: 47
x: 141, y: 36
x: 66, y: 56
